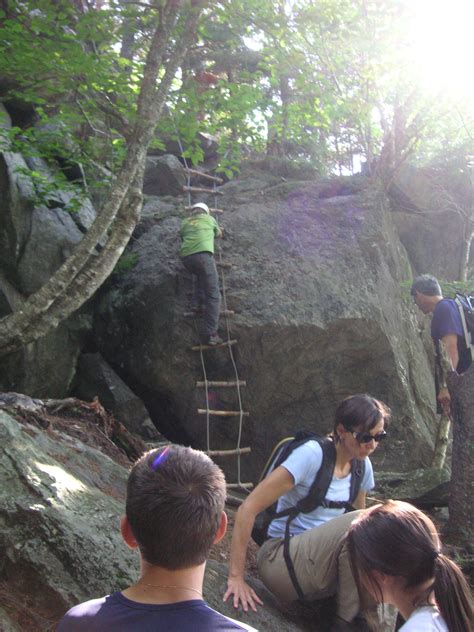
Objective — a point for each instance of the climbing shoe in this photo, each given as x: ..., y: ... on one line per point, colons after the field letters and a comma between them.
x: 214, y: 339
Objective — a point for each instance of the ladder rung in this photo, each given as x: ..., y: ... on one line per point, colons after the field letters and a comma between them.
x: 195, y: 172
x: 239, y: 485
x: 228, y: 452
x: 226, y: 343
x: 221, y: 413
x: 223, y: 264
x: 202, y: 190
x: 224, y: 312
x: 221, y: 384
x: 233, y: 501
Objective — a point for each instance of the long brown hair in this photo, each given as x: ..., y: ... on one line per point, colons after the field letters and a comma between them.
x: 400, y: 540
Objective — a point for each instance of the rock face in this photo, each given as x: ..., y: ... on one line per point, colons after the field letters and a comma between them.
x: 34, y: 241
x: 59, y: 509
x: 164, y: 175
x: 53, y: 235
x: 425, y: 213
x: 95, y: 378
x: 319, y: 316
x: 46, y: 368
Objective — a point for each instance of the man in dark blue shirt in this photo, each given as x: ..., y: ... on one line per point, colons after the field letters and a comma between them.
x: 174, y: 513
x: 446, y: 327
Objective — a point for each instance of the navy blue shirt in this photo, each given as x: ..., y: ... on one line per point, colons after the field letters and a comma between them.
x: 116, y: 613
x: 447, y: 320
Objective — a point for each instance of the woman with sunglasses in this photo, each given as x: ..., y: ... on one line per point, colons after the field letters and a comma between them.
x: 317, y: 547
x: 396, y: 555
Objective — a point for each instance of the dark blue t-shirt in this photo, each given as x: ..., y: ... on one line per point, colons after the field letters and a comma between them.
x: 116, y: 613
x: 447, y: 320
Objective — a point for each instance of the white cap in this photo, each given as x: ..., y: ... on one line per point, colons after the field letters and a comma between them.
x: 201, y: 205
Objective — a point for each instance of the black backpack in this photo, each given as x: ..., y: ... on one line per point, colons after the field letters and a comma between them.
x: 316, y: 496
x: 466, y: 311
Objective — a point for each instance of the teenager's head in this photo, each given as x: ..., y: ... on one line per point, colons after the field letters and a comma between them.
x: 360, y: 424
x: 426, y: 292
x: 175, y: 503
x: 395, y: 551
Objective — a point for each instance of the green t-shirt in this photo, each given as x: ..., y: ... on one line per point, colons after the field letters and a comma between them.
x: 197, y: 234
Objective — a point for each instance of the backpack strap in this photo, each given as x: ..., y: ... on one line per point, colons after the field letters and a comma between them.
x: 287, y: 557
x: 357, y: 474
x: 319, y: 488
x: 314, y: 499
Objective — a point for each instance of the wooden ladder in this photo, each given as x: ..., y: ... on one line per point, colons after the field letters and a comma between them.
x: 206, y: 384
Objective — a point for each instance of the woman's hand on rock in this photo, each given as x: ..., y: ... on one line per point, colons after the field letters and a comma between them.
x: 243, y: 593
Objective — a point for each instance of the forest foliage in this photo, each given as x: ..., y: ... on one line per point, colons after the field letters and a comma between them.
x: 330, y: 82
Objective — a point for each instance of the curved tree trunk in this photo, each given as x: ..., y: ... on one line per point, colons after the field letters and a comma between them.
x: 83, y: 273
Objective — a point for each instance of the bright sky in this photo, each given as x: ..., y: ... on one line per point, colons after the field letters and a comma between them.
x: 443, y: 45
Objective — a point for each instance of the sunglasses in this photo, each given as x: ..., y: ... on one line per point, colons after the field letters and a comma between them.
x: 365, y: 437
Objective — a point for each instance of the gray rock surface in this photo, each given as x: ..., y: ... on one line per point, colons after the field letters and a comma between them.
x: 83, y: 214
x: 426, y: 488
x: 272, y: 616
x: 60, y: 503
x: 47, y: 367
x: 26, y: 228
x: 164, y: 175
x: 34, y: 242
x: 16, y: 207
x: 424, y: 213
x: 51, y: 241
x: 95, y: 378
x: 319, y: 316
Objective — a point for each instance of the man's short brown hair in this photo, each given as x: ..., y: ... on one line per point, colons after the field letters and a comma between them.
x: 175, y: 499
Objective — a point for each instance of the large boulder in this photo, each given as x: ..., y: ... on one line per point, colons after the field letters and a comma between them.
x: 44, y: 368
x: 164, y: 175
x: 35, y: 239
x: 30, y: 231
x: 95, y: 378
x: 16, y: 209
x: 53, y: 236
x: 72, y: 199
x: 60, y: 504
x: 427, y: 204
x: 315, y: 285
x: 425, y: 487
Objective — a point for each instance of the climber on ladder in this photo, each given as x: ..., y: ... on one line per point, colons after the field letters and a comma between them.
x: 197, y: 253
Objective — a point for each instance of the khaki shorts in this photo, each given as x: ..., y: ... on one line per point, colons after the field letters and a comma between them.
x: 321, y: 562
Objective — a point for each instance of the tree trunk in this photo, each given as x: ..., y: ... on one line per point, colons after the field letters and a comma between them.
x: 80, y: 276
x: 442, y: 440
x: 465, y: 251
x: 461, y: 518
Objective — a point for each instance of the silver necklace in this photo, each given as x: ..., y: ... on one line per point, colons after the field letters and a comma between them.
x: 171, y: 586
